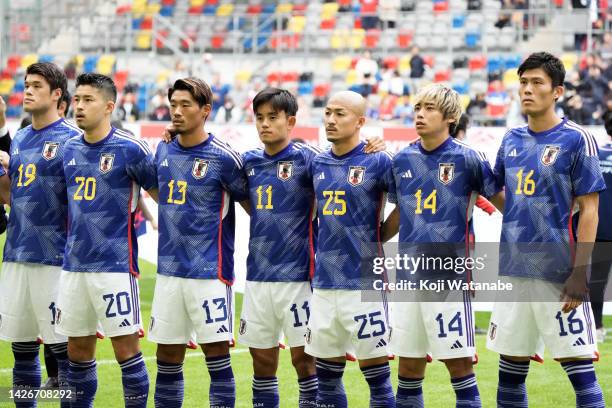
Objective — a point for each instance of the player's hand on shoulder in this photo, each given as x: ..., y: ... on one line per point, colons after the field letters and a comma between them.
x: 374, y: 144
x: 4, y: 159
x: 169, y: 133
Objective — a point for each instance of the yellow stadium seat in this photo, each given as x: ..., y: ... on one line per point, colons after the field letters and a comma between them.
x: 284, y: 8
x: 28, y: 60
x: 79, y: 59
x: 339, y: 38
x: 351, y: 77
x: 243, y: 75
x: 510, y: 78
x: 197, y: 3
x: 404, y: 65
x: 329, y: 9
x: 6, y: 86
x: 162, y: 77
x: 143, y: 40
x: 225, y: 10
x: 153, y: 8
x: 465, y: 101
x: 356, y: 38
x: 296, y: 24
x: 139, y: 7
x: 106, y: 63
x: 569, y: 60
x: 341, y: 63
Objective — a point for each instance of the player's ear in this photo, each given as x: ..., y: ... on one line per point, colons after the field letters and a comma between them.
x: 56, y: 94
x: 206, y: 110
x: 110, y: 106
x: 361, y: 122
x: 291, y: 122
x: 558, y: 92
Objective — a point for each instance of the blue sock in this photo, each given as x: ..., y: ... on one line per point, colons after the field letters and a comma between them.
x: 331, y: 392
x: 26, y: 372
x: 308, y: 391
x: 135, y: 381
x: 379, y: 379
x: 466, y: 391
x: 410, y: 393
x: 60, y: 352
x: 511, y: 390
x: 265, y: 392
x: 582, y: 376
x: 169, y: 385
x: 84, y: 378
x: 222, y: 387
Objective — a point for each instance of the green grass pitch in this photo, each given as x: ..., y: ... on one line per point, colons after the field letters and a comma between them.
x: 547, y: 383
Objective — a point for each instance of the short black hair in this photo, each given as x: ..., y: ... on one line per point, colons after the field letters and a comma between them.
x: 608, y: 123
x: 199, y: 90
x: 55, y: 77
x: 549, y: 63
x: 66, y: 97
x: 99, y: 81
x: 461, y: 125
x: 280, y: 99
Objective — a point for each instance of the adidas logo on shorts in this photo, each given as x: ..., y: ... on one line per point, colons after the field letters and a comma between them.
x: 125, y: 323
x: 223, y: 329
x: 579, y: 342
x: 381, y: 343
x: 456, y: 345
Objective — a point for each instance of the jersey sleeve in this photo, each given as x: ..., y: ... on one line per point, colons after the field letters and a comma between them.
x: 2, y: 171
x: 499, y: 171
x: 585, y: 173
x: 142, y: 167
x: 483, y: 178
x: 233, y: 178
x: 386, y: 180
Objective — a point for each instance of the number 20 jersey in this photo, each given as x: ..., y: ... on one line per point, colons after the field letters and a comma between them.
x: 283, y: 224
x: 36, y: 229
x: 197, y: 189
x: 103, y: 181
x: 351, y: 194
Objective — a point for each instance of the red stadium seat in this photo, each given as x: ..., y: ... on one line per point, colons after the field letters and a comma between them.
x: 391, y: 62
x: 372, y: 37
x: 345, y: 3
x: 217, y: 40
x: 328, y: 24
x: 254, y: 9
x: 299, y: 9
x: 357, y: 23
x: 292, y: 41
x: 124, y: 9
x: 147, y: 23
x: 168, y: 2
x: 6, y: 74
x: 290, y: 76
x: 429, y: 60
x: 369, y: 7
x: 404, y: 38
x: 322, y: 90
x: 15, y: 99
x: 477, y: 63
x: 195, y: 10
x: 212, y: 2
x: 440, y: 6
x: 121, y: 78
x: 13, y: 63
x: 496, y: 111
x: 159, y: 42
x: 442, y: 76
x: 273, y: 77
x: 354, y: 61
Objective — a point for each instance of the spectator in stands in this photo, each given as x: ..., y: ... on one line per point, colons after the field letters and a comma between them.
x: 366, y: 69
x: 220, y: 91
x: 404, y: 111
x: 387, y: 107
x: 477, y: 105
x: 71, y: 69
x: 393, y: 83
x: 388, y: 11
x: 576, y: 111
x: 417, y: 64
x: 228, y: 112
x: 368, y: 21
x: 605, y: 48
x: 160, y: 113
x: 128, y: 110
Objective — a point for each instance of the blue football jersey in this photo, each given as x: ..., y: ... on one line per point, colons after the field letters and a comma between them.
x: 283, y: 225
x: 351, y: 194
x: 436, y: 190
x: 604, y: 228
x: 542, y: 173
x: 36, y: 230
x: 104, y: 181
x: 197, y: 189
x: 2, y: 171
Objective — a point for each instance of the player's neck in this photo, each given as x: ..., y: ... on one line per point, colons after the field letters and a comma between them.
x: 544, y: 122
x: 430, y: 143
x: 193, y: 138
x: 43, y: 120
x: 273, y: 148
x: 342, y: 147
x: 97, y: 134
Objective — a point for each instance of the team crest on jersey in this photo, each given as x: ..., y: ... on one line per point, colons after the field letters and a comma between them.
x: 200, y: 167
x: 492, y: 331
x: 284, y: 170
x: 242, y: 328
x: 446, y: 172
x: 106, y: 162
x: 550, y: 154
x: 50, y: 150
x: 355, y: 175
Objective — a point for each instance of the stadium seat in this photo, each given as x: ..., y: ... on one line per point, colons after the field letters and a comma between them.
x: 217, y: 41
x: 322, y: 90
x: 404, y: 65
x: 106, y: 64
x: 46, y: 58
x: 404, y: 38
x: 146, y: 23
x: 166, y: 11
x: 341, y: 64
x: 512, y: 61
x: 254, y: 9
x: 351, y: 77
x: 440, y: 6
x: 305, y: 88
x: 243, y: 75
x: 329, y: 10
x: 356, y: 38
x: 496, y: 111
x: 28, y: 60
x: 195, y: 10
x: 153, y: 8
x: 123, y: 9
x: 510, y: 78
x: 372, y: 37
x: 327, y: 24
x: 458, y: 21
x: 143, y: 40
x: 569, y: 60
x: 210, y: 10
x: 139, y: 7
x: 471, y: 39
x: 477, y: 63
x: 160, y: 40
x: 13, y: 62
x: 391, y: 62
x: 284, y: 8
x: 462, y: 88
x: 121, y: 78
x: 296, y: 24
x: 15, y: 99
x: 495, y: 64
x: 225, y: 10
x: 289, y: 76
x: 339, y: 39
x: 6, y: 86
x: 442, y: 76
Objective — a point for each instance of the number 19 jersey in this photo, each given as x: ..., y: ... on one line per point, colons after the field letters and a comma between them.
x: 197, y: 189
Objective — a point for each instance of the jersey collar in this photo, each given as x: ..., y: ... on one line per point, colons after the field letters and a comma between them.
x: 438, y: 149
x: 106, y: 138
x: 279, y: 154
x: 357, y: 149
x: 49, y: 126
x: 204, y: 143
x: 549, y: 131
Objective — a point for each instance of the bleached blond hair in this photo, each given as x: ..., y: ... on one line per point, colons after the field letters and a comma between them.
x: 445, y: 99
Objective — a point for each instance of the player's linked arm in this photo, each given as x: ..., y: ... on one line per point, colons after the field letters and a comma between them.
x: 391, y: 225
x: 154, y: 193
x: 374, y: 144
x: 499, y: 200
x: 576, y: 285
x: 5, y: 189
x: 246, y: 204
